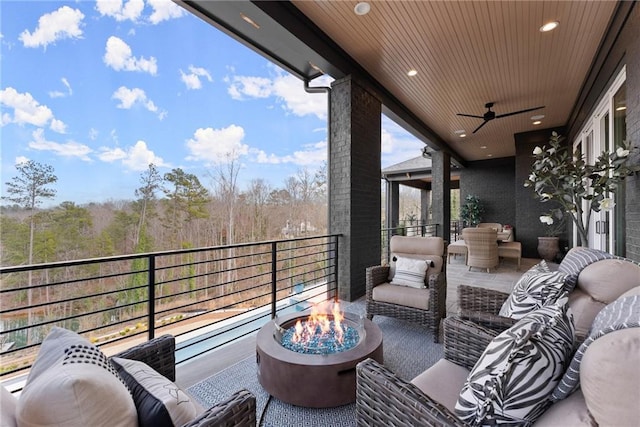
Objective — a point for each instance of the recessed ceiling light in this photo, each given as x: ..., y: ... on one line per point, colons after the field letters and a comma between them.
x: 459, y: 131
x: 621, y: 108
x: 412, y: 73
x: 538, y: 117
x: 362, y: 8
x: 489, y: 155
x: 463, y: 135
x: 549, y: 26
x: 537, y: 122
x: 484, y: 147
x: 250, y: 21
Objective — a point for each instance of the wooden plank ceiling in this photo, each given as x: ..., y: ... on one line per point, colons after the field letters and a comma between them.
x: 468, y: 53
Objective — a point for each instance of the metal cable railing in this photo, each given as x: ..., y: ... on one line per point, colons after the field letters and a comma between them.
x: 206, y: 297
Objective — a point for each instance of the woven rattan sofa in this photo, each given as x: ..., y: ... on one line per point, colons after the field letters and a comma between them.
x: 610, y: 374
x: 73, y: 383
x: 237, y: 410
x: 426, y: 305
x: 596, y: 285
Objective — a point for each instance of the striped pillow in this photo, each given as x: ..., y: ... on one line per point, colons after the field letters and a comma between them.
x: 512, y: 381
x: 535, y: 289
x: 410, y: 272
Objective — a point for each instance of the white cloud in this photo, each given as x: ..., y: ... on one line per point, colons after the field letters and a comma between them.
x: 217, y: 145
x: 163, y: 10
x: 250, y: 87
x: 67, y: 149
x: 60, y: 94
x: 118, y: 55
x: 192, y: 80
x: 21, y: 159
x: 27, y: 110
x: 64, y: 23
x: 119, y: 10
x: 136, y: 158
x: 312, y: 154
x: 136, y: 96
x: 398, y: 145
x: 58, y: 126
x: 286, y: 88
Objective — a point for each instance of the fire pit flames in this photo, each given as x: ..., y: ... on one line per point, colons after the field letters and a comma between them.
x: 330, y: 343
x: 324, y: 332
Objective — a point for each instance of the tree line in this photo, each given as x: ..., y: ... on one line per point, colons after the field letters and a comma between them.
x: 170, y: 211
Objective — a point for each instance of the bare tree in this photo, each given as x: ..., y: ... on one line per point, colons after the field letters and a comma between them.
x: 29, y: 189
x: 225, y: 179
x: 151, y: 182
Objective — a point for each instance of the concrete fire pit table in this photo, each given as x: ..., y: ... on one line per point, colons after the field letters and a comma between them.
x: 312, y: 380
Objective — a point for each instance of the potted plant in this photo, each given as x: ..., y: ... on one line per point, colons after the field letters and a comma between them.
x: 549, y: 245
x: 471, y: 211
x: 578, y: 188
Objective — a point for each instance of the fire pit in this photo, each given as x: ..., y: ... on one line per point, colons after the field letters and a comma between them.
x: 310, y: 360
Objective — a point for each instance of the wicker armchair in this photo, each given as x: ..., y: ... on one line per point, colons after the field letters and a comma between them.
x: 482, y: 247
x: 384, y: 399
x: 428, y: 305
x: 159, y: 353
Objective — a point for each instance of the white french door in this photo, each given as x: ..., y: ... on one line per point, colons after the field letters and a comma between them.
x: 605, y: 131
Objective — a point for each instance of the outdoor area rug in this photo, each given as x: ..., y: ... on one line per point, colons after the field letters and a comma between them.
x: 408, y: 350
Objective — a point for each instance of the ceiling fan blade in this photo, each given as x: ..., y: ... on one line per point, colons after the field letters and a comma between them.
x: 483, y: 123
x: 518, y: 112
x: 470, y: 115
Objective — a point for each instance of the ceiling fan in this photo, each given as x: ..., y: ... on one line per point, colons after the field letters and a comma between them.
x: 490, y: 115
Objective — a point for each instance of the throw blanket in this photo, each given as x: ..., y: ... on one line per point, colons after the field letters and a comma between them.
x: 621, y: 314
x: 576, y: 260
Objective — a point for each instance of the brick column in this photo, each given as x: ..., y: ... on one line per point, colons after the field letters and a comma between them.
x: 441, y: 192
x: 354, y: 182
x: 393, y: 204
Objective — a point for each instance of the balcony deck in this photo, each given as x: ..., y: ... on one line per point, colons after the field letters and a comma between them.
x: 503, y: 278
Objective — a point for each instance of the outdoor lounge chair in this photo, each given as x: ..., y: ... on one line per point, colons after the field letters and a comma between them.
x: 423, y: 304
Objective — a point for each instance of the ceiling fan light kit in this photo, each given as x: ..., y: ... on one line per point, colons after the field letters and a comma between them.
x: 490, y: 115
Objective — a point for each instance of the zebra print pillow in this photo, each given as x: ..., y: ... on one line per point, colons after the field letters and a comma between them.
x: 512, y: 381
x: 535, y: 289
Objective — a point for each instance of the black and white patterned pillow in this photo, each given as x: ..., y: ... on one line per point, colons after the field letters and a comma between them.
x: 535, y: 289
x: 159, y: 401
x: 512, y: 381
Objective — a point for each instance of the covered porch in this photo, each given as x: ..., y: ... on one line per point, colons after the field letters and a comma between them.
x: 432, y: 67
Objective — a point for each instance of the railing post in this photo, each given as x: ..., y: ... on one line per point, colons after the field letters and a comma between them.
x: 274, y: 278
x: 151, y: 328
x: 335, y: 267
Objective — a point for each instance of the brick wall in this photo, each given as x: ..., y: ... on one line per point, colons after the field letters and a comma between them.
x: 354, y: 180
x: 492, y: 182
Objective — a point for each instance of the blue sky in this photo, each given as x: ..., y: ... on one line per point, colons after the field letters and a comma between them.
x: 99, y: 90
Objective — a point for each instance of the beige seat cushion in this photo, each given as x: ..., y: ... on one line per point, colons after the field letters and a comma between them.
x: 584, y: 309
x: 606, y: 280
x: 610, y: 378
x: 431, y: 248
x: 402, y: 295
x: 571, y: 411
x: 442, y: 382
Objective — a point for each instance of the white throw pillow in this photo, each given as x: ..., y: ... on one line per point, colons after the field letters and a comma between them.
x: 158, y: 400
x: 512, y: 381
x: 410, y: 272
x: 8, y: 406
x: 72, y: 384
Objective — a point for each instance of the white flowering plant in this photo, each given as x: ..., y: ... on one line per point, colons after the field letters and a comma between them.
x: 576, y: 187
